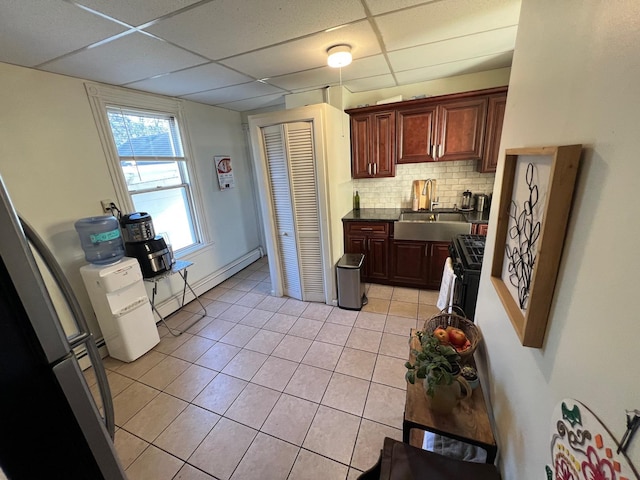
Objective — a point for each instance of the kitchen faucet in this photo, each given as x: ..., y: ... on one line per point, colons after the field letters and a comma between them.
x: 430, y: 189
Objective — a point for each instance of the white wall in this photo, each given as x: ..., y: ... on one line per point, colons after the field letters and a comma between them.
x: 56, y: 172
x: 574, y: 79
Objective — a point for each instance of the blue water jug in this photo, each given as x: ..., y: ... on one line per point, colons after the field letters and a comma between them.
x: 100, y: 239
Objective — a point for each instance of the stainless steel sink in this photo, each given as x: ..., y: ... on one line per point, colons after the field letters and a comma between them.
x: 432, y: 217
x: 430, y: 227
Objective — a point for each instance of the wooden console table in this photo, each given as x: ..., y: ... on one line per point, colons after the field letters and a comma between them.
x: 469, y: 421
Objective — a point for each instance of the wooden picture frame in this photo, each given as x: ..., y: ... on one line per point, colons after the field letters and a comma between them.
x: 534, y: 206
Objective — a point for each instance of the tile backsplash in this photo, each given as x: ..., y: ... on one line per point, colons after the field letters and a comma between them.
x: 452, y: 178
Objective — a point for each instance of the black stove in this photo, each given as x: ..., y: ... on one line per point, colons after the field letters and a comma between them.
x: 466, y: 253
x: 472, y: 249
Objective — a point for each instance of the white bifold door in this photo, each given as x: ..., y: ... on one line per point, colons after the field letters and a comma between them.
x: 293, y: 185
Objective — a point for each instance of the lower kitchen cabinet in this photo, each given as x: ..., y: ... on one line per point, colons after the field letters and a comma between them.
x: 372, y: 240
x: 409, y: 263
x: 405, y: 263
x: 418, y: 264
x: 480, y: 228
x: 438, y: 253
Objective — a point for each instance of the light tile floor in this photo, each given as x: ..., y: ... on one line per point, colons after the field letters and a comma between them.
x: 267, y: 388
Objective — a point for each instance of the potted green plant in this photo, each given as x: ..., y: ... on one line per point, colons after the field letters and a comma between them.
x: 438, y: 365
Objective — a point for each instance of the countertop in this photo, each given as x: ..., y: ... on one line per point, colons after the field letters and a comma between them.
x: 392, y: 214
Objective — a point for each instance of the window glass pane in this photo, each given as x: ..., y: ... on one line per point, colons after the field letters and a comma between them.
x: 148, y: 174
x: 167, y: 209
x: 143, y: 134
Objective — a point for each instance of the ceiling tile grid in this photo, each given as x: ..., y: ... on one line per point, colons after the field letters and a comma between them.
x: 214, y: 51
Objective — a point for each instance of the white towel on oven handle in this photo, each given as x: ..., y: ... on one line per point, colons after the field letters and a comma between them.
x: 445, y: 298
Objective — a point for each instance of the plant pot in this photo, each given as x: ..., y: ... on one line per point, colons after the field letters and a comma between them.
x: 473, y: 382
x: 446, y: 397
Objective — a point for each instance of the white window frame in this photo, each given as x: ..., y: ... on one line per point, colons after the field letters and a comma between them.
x: 103, y: 96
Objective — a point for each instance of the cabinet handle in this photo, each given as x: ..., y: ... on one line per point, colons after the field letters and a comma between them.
x: 368, y: 244
x: 426, y: 253
x: 369, y: 168
x: 365, y: 229
x: 375, y: 168
x: 432, y: 151
x: 440, y: 150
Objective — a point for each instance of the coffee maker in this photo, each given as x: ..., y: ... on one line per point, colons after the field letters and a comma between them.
x: 141, y: 243
x: 466, y: 200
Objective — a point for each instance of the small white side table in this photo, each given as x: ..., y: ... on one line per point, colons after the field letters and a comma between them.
x: 179, y: 267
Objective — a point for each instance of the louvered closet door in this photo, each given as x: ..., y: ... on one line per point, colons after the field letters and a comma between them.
x: 292, y: 177
x: 281, y: 196
x: 305, y: 207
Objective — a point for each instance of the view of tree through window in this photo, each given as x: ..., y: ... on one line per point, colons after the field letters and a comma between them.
x: 155, y: 171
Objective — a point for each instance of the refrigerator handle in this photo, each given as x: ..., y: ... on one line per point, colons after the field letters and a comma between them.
x: 84, y: 336
x: 103, y: 384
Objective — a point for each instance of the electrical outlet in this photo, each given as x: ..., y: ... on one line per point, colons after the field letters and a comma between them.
x: 106, y: 206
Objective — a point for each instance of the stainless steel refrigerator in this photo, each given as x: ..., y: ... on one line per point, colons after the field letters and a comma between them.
x: 50, y: 424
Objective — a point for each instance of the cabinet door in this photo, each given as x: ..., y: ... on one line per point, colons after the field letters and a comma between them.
x: 495, y: 119
x: 415, y: 137
x: 372, y: 145
x: 383, y: 146
x: 481, y: 228
x: 461, y: 126
x: 360, y: 145
x: 438, y: 253
x: 378, y: 262
x: 409, y: 263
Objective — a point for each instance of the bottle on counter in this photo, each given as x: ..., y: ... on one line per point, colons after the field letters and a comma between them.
x: 356, y: 202
x: 414, y: 201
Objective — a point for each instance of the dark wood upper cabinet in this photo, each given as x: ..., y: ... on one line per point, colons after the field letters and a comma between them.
x: 495, y: 119
x: 460, y: 126
x: 461, y: 130
x: 373, y: 144
x: 447, y: 131
x: 416, y: 134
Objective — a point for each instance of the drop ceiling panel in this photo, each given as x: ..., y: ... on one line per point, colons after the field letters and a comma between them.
x: 326, y: 76
x: 255, y: 103
x: 134, y: 13
x: 126, y: 59
x: 33, y: 31
x: 463, y: 67
x: 224, y: 28
x: 382, y: 6
x: 443, y: 20
x: 192, y: 80
x: 461, y: 48
x: 213, y: 50
x: 306, y: 53
x: 234, y: 93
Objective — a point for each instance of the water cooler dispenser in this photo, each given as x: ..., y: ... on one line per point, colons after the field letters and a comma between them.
x: 120, y: 301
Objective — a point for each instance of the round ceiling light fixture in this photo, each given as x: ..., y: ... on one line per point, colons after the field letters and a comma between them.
x: 339, y: 56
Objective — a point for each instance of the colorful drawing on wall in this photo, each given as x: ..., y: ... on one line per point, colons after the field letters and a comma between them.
x: 582, y: 448
x: 225, y: 172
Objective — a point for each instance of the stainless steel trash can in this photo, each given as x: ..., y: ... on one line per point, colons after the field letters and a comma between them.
x: 351, y: 294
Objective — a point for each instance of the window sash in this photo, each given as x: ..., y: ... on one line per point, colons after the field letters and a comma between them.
x: 183, y: 227
x: 101, y: 97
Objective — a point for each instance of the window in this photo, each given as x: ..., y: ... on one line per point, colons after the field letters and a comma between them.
x: 155, y: 171
x: 145, y: 143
